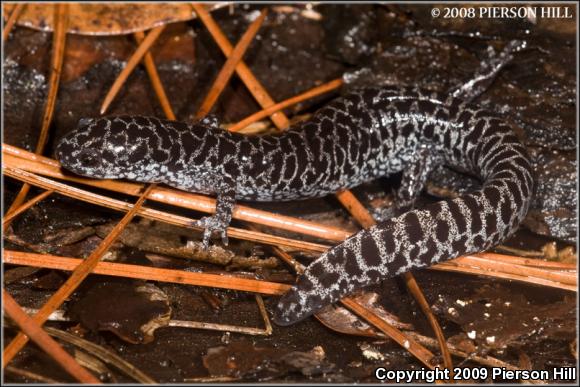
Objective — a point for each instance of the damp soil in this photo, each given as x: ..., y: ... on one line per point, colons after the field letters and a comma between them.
x: 297, y: 48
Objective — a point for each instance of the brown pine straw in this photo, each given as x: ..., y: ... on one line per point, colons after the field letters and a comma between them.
x: 212, y: 282
x: 420, y: 352
x: 148, y: 273
x: 131, y: 64
x: 149, y: 213
x: 325, y: 88
x: 78, y: 275
x: 243, y: 71
x: 58, y: 47
x: 524, y: 261
x: 155, y: 80
x: 486, y: 261
x: 17, y: 158
x: 10, y: 216
x: 44, y: 341
x: 479, y: 265
x: 31, y: 376
x: 229, y: 67
x: 11, y: 20
x: 101, y: 353
x: 355, y: 208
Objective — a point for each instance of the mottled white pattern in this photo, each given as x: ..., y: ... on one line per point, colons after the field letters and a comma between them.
x: 367, y: 134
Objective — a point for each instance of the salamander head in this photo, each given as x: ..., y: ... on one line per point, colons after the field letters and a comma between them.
x: 115, y: 148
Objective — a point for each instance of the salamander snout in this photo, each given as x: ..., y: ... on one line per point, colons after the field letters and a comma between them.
x: 80, y: 151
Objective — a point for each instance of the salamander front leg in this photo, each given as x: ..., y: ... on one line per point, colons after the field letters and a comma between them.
x: 219, y: 222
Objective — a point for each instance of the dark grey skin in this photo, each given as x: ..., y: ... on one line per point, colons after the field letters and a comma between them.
x: 364, y: 135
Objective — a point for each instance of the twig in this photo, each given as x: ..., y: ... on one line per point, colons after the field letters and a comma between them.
x: 415, y: 290
x: 131, y: 64
x: 155, y: 214
x: 254, y: 86
x: 58, y: 47
x: 61, y: 15
x: 31, y: 375
x: 510, y: 268
x: 147, y: 273
x: 267, y: 331
x: 402, y: 339
x: 523, y: 253
x: 101, y: 353
x: 33, y: 330
x: 155, y: 80
x: 175, y: 197
x: 355, y: 208
x: 11, y: 215
x: 334, y: 84
x: 229, y: 67
x: 78, y: 275
x: 525, y: 261
x: 451, y: 266
x: 179, y: 198
x: 11, y: 20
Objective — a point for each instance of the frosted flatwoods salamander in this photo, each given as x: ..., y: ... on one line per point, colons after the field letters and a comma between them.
x: 364, y: 135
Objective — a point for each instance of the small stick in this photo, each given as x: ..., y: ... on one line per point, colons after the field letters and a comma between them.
x: 229, y: 67
x: 131, y: 64
x: 101, y: 353
x: 58, y: 48
x: 156, y: 214
x: 421, y: 353
x: 148, y: 273
x: 334, y: 84
x: 267, y: 331
x: 525, y: 261
x: 44, y: 341
x: 510, y: 268
x: 11, y: 215
x: 31, y: 375
x: 155, y: 80
x: 450, y: 266
x: 355, y: 208
x: 243, y: 71
x: 11, y: 20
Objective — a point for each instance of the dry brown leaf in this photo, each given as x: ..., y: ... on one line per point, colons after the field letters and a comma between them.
x: 106, y: 18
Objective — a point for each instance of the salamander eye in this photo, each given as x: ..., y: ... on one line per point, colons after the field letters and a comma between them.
x: 89, y: 158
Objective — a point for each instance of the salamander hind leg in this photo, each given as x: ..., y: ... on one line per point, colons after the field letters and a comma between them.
x: 412, y: 183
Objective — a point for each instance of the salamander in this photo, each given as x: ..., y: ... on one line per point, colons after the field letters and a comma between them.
x: 363, y: 135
